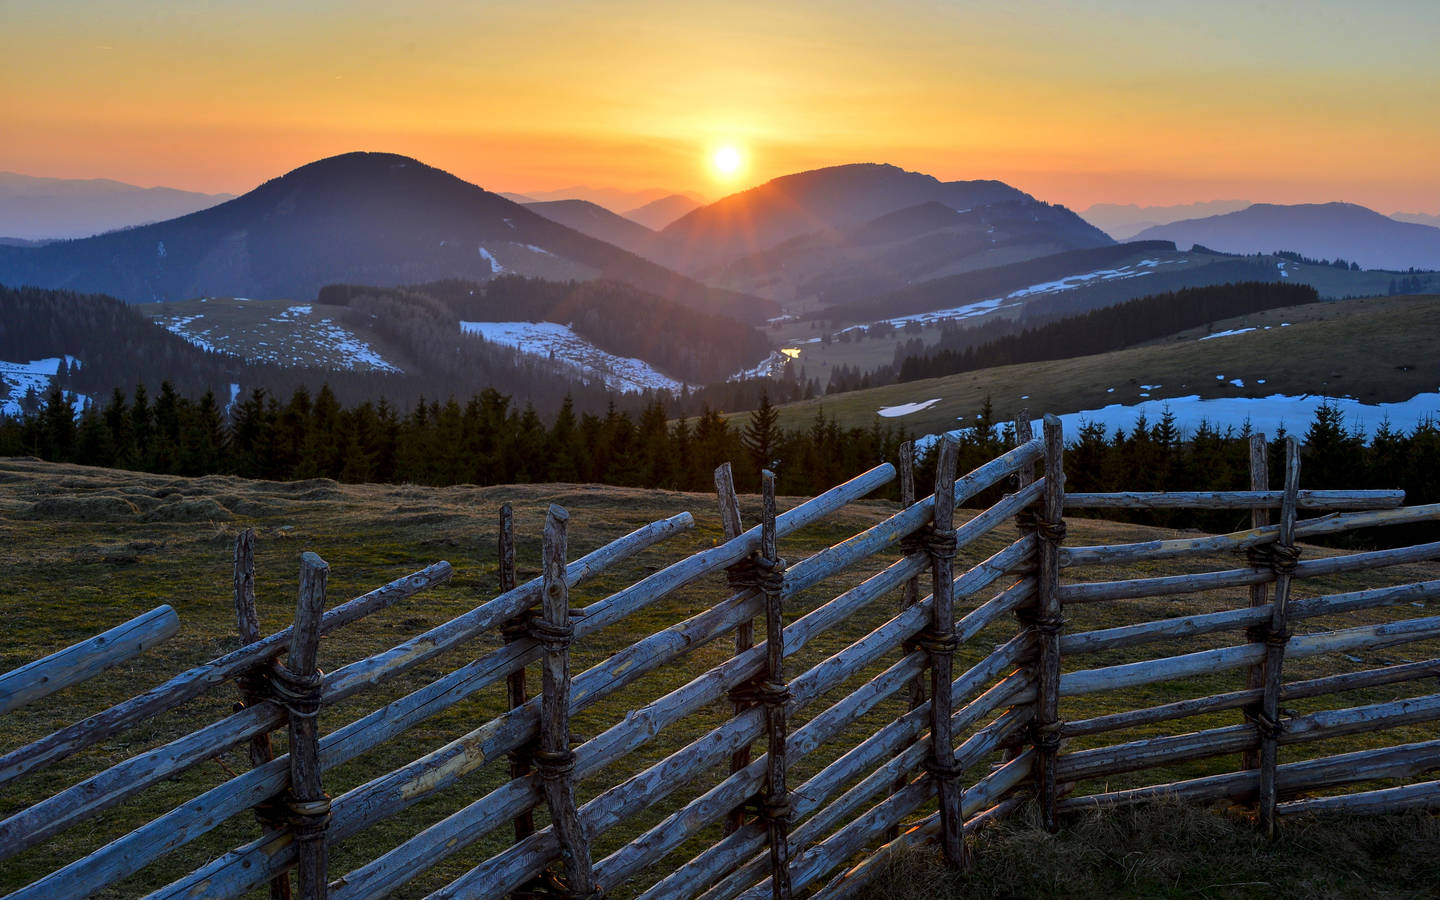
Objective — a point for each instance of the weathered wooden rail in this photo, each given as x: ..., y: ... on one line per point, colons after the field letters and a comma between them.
x: 777, y: 796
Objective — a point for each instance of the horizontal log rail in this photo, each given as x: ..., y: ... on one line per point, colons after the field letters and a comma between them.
x: 1398, y: 761
x: 1203, y: 662
x: 1326, y: 500
x: 1169, y: 585
x: 1151, y: 752
x: 1295, y: 690
x: 1205, y: 623
x: 86, y: 659
x: 1425, y: 795
x: 1334, y: 523
x: 195, y: 681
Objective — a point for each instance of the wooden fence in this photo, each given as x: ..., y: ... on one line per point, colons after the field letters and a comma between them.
x: 906, y: 749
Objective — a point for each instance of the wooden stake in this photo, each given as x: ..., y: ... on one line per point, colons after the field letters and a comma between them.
x: 1269, y: 718
x: 910, y: 594
x: 1259, y: 593
x: 515, y: 689
x: 941, y: 644
x: 776, y: 801
x: 298, y: 683
x: 555, y: 760
x: 248, y: 621
x: 1048, y: 621
x: 729, y: 503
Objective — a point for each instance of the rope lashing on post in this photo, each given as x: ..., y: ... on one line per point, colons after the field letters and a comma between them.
x: 554, y: 765
x: 933, y: 543
x: 1046, y: 736
x: 299, y: 694
x: 1276, y: 557
x: 549, y: 635
x: 308, y: 819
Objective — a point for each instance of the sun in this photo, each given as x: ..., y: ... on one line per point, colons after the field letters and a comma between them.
x: 727, y: 161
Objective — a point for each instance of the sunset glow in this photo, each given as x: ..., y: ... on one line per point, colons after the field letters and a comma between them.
x: 1123, y: 101
x: 727, y: 161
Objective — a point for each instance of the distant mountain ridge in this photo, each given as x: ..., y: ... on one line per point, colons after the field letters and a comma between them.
x: 1123, y: 221
x: 1321, y: 230
x: 662, y: 212
x: 596, y: 221
x: 834, y: 235
x: 374, y: 218
x: 34, y: 208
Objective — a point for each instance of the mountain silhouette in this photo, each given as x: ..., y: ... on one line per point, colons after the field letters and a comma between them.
x: 370, y: 218
x: 1318, y: 230
x: 837, y: 199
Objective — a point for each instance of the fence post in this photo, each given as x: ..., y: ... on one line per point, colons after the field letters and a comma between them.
x: 739, y: 578
x: 515, y: 690
x: 1283, y: 555
x: 1259, y: 593
x: 296, y: 684
x: 909, y: 597
x: 939, y: 640
x: 774, y: 693
x: 1048, y: 621
x: 251, y: 685
x: 555, y: 760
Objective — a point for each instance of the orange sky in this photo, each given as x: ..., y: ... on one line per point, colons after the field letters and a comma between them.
x: 1145, y: 102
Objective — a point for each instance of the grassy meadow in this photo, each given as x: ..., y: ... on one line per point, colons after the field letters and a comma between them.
x: 83, y: 549
x: 1377, y: 350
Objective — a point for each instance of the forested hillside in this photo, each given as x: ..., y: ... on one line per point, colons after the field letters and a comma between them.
x: 616, y: 317
x: 1102, y: 330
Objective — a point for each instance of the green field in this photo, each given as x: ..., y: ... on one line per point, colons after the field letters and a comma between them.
x: 1378, y: 350
x: 85, y: 549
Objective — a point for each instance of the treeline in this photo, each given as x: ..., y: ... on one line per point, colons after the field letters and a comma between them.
x: 1111, y: 328
x: 617, y: 317
x: 488, y: 439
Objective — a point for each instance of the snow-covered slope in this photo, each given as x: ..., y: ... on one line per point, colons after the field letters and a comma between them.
x: 18, y: 378
x: 559, y: 342
x: 291, y: 335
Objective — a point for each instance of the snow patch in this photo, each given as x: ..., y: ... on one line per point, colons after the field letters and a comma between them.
x: 19, y: 378
x: 905, y: 409
x: 1233, y: 331
x: 490, y: 258
x: 560, y: 343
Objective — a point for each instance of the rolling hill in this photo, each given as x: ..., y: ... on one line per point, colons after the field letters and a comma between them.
x: 1375, y: 351
x: 48, y: 208
x: 372, y: 218
x: 658, y: 213
x: 1320, y: 230
x: 599, y: 223
x: 838, y: 234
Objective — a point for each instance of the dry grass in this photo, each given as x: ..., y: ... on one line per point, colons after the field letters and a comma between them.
x: 1171, y: 850
x: 69, y: 572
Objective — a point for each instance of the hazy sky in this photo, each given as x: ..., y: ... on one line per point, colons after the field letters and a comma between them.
x: 1078, y: 102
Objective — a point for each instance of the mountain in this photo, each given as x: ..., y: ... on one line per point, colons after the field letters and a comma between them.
x: 598, y: 222
x: 1124, y: 221
x: 612, y: 199
x: 658, y: 213
x: 1417, y: 218
x: 44, y: 208
x: 372, y: 218
x: 1322, y: 230
x: 838, y: 235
